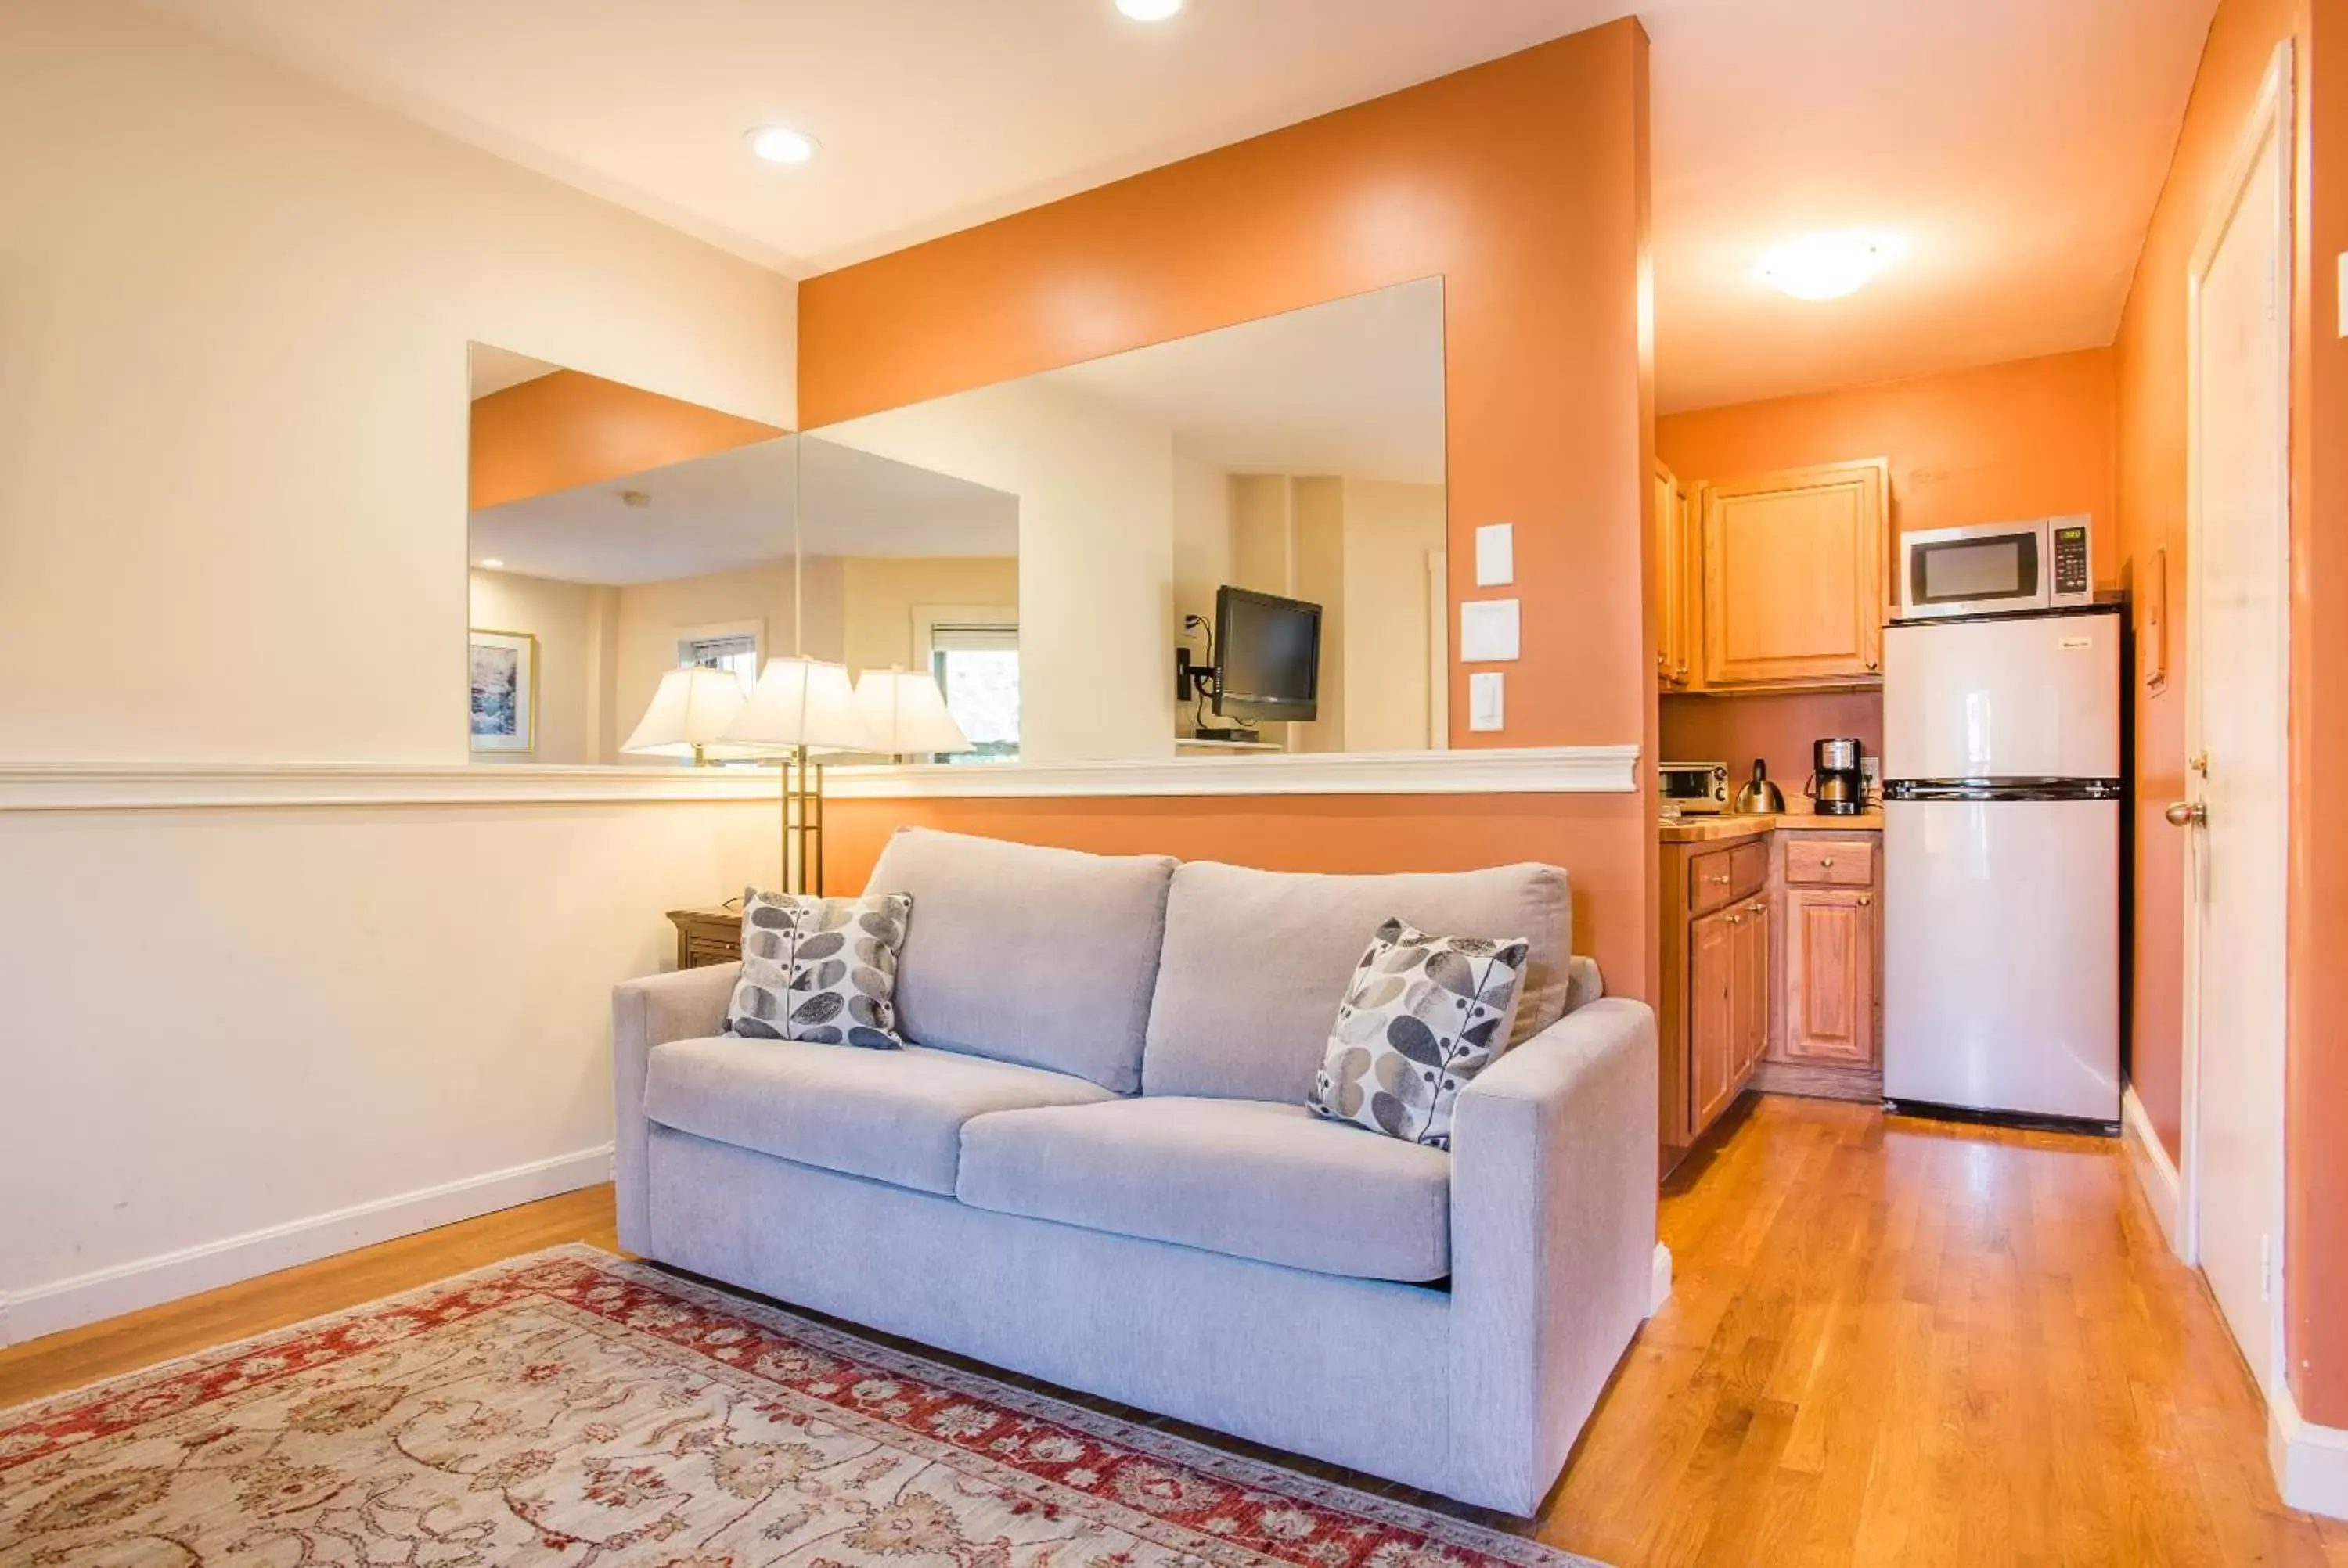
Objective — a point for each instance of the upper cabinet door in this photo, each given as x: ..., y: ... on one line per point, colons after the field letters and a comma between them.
x: 1674, y: 589
x: 1793, y: 576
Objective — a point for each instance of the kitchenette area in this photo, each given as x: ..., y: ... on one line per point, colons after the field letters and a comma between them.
x: 1893, y: 803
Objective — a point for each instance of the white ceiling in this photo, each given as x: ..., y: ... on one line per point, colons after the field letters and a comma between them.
x: 732, y: 510
x: 1353, y: 387
x: 496, y: 369
x: 2015, y: 146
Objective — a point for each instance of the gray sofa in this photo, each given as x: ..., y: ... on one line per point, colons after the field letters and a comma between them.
x: 1094, y: 1164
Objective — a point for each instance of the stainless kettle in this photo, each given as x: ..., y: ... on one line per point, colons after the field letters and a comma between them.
x: 1758, y: 796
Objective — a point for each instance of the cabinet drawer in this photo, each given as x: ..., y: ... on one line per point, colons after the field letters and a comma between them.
x: 1829, y: 861
x: 1722, y: 876
x: 703, y: 951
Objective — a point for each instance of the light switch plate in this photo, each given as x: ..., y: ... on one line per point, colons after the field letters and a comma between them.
x: 1487, y: 691
x: 1487, y: 630
x: 1496, y: 554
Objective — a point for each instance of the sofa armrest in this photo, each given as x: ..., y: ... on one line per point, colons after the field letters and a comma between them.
x: 689, y: 1004
x: 1552, y: 1242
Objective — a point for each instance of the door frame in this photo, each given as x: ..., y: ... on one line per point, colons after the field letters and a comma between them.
x: 2270, y: 120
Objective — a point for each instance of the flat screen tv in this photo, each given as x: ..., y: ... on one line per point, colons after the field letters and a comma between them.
x: 1267, y: 656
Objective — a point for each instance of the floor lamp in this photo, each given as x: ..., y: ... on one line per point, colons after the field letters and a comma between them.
x: 801, y: 708
x: 689, y: 712
x: 906, y: 714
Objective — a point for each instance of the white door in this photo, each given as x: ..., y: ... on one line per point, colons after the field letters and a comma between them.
x: 2236, y: 676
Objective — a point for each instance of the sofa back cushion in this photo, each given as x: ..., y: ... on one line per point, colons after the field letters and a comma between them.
x: 1256, y: 963
x: 1042, y: 957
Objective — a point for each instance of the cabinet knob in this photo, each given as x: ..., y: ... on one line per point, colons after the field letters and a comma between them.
x: 1874, y: 665
x: 1758, y: 907
x: 1722, y: 878
x: 1736, y: 919
x: 1825, y: 861
x: 1865, y: 900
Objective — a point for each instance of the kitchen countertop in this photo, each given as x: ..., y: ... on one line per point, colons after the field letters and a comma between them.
x: 1721, y: 828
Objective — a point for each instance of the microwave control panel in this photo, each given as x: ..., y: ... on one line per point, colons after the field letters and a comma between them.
x: 2071, y: 582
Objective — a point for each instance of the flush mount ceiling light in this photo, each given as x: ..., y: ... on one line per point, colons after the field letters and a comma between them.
x: 781, y: 144
x: 1826, y: 266
x: 492, y: 564
x: 1150, y: 10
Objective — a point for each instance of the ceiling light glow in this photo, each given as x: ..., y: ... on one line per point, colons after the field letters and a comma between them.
x: 1150, y: 10
x: 781, y: 144
x: 493, y: 564
x: 1826, y: 266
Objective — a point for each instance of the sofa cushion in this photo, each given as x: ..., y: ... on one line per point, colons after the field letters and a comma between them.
x: 893, y: 1115
x: 1270, y: 1182
x: 1256, y: 962
x: 1044, y: 957
x: 819, y: 969
x: 1422, y: 1016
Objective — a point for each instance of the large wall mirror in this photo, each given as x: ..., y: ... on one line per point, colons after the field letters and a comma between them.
x: 1232, y: 544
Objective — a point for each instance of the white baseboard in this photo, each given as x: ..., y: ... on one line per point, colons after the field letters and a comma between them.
x: 148, y: 1282
x: 1661, y: 1290
x: 2311, y: 1463
x: 2156, y: 1172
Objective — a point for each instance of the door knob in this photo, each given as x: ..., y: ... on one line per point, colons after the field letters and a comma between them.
x: 2188, y: 814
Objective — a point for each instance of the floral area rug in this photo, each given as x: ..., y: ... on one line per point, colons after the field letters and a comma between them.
x: 571, y: 1407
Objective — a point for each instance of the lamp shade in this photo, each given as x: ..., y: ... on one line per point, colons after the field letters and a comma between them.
x: 689, y: 710
x: 800, y: 703
x: 905, y: 711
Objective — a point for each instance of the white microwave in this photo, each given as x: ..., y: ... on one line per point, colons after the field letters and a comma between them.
x: 1993, y: 568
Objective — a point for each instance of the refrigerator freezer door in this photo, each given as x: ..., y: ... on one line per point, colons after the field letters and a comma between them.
x: 2030, y: 697
x: 2001, y: 957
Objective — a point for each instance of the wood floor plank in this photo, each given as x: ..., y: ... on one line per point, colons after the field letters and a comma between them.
x: 1890, y: 1342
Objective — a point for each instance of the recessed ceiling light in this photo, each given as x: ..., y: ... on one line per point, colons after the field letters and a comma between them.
x: 781, y: 144
x: 1826, y: 266
x: 1150, y: 10
x: 493, y: 564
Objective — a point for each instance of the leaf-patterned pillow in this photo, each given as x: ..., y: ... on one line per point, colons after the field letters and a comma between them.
x: 820, y: 969
x: 1422, y: 1016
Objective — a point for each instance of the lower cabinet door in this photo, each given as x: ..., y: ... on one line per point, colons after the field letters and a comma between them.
x: 1830, y: 976
x: 1751, y: 1008
x: 1713, y: 1014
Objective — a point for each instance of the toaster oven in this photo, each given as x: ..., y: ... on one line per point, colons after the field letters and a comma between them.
x: 1695, y: 788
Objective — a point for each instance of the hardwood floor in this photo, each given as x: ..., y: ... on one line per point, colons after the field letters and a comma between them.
x: 1889, y: 1342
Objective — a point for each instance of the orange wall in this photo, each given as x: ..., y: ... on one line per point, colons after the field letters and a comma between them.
x: 1278, y: 833
x: 569, y: 428
x: 2028, y: 438
x: 1777, y: 728
x: 2315, y: 1156
x: 1522, y: 183
x: 2150, y: 379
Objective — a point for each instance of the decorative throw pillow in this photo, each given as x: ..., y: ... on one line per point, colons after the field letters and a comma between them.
x: 1421, y: 1016
x: 820, y: 969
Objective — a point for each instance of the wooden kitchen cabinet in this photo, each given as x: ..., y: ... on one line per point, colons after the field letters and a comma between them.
x: 1750, y: 1025
x: 1792, y: 567
x: 1714, y: 1023
x: 1830, y: 958
x: 1715, y: 1013
x: 1677, y: 587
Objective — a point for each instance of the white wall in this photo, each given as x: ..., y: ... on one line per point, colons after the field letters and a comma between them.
x: 1096, y: 555
x: 234, y: 309
x: 1389, y: 530
x: 1202, y: 538
x: 575, y: 624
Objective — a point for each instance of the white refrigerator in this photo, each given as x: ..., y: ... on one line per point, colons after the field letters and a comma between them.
x: 2003, y: 811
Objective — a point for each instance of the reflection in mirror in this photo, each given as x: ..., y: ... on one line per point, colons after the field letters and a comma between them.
x: 621, y: 540
x: 1297, y: 462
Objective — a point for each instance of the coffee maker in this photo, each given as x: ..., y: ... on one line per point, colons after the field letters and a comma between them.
x: 1838, y: 784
